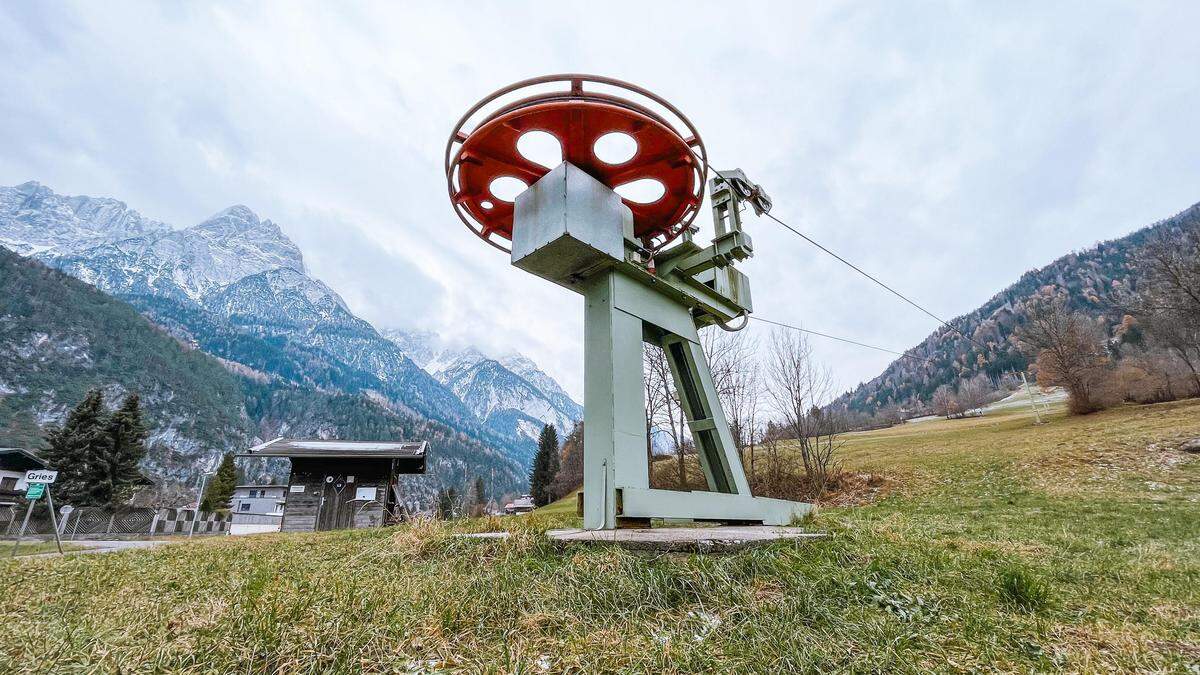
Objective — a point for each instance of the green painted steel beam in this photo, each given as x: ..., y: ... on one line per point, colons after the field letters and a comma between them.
x: 572, y: 230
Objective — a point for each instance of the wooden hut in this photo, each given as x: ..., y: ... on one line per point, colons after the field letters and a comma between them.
x: 337, y: 485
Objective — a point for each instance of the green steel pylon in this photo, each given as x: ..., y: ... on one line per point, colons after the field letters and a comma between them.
x: 575, y: 231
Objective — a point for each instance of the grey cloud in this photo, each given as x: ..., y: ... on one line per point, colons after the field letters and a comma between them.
x: 946, y: 147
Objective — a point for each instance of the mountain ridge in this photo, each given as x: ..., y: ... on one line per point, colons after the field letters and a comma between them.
x: 235, y: 286
x: 1091, y: 277
x: 60, y: 337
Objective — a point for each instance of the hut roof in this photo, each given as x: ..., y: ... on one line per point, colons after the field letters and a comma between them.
x: 295, y: 447
x: 21, y: 459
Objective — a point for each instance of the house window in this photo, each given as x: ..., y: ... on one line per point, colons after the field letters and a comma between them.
x: 8, y: 484
x: 244, y: 506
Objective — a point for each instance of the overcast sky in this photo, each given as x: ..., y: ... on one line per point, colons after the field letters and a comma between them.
x: 945, y: 147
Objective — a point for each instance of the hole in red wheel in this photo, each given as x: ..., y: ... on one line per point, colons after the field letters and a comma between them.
x: 615, y: 148
x: 642, y: 191
x: 506, y: 188
x: 540, y: 148
x: 486, y: 204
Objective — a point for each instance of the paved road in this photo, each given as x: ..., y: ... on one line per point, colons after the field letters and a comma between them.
x: 118, y: 545
x: 102, y: 546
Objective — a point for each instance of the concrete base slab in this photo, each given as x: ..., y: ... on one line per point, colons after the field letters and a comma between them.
x: 686, y: 539
x: 483, y: 535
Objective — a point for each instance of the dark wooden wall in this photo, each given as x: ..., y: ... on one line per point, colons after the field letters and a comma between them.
x: 322, y: 506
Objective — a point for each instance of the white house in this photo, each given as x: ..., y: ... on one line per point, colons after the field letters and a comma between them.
x: 256, y: 508
x: 14, y: 462
x: 522, y: 504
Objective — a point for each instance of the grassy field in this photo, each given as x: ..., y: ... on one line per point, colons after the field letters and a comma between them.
x: 997, y: 545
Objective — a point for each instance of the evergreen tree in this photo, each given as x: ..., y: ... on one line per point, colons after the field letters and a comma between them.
x: 115, y: 474
x: 76, y: 450
x: 220, y: 489
x: 545, y: 467
x: 446, y: 499
x: 96, y: 454
x: 478, y: 501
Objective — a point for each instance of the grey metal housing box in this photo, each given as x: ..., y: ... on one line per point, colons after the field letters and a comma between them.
x: 568, y: 225
x: 730, y: 283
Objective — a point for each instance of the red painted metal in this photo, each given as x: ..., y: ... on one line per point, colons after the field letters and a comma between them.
x: 577, y: 118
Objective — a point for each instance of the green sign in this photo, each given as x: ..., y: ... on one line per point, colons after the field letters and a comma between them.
x: 35, y: 491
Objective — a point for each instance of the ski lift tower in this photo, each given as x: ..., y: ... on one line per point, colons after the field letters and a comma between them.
x: 599, y: 224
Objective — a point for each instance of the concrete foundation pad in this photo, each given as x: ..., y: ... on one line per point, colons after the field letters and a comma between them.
x: 484, y: 535
x: 686, y: 539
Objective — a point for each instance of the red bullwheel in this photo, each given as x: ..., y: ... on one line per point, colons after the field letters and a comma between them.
x: 660, y: 178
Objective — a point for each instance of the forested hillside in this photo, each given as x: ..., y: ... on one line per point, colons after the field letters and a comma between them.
x: 60, y: 337
x: 1093, y: 279
x: 236, y: 287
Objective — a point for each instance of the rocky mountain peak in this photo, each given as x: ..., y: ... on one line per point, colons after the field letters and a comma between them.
x: 232, y: 221
x: 34, y: 219
x: 239, y: 228
x: 236, y: 285
x: 31, y: 188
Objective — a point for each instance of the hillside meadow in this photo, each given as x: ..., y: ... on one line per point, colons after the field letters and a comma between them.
x: 993, y: 544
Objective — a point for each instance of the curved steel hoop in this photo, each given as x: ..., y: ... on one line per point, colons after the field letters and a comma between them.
x: 477, y: 151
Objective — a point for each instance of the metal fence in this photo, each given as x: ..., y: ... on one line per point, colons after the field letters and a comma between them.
x: 98, y: 522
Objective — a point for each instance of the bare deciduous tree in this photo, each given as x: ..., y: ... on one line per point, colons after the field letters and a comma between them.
x: 975, y: 393
x: 733, y: 360
x: 664, y: 413
x: 1167, y: 303
x: 945, y: 402
x: 1069, y: 348
x: 570, y: 468
x: 798, y: 388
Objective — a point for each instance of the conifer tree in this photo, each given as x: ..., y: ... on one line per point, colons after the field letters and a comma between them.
x: 478, y: 501
x: 220, y: 489
x: 116, y: 473
x: 446, y: 503
x: 76, y: 448
x: 96, y: 454
x: 545, y: 467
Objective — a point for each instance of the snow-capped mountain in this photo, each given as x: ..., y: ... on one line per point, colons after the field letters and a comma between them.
x: 36, y: 219
x: 548, y: 386
x: 236, y: 287
x: 185, y: 265
x: 510, y: 393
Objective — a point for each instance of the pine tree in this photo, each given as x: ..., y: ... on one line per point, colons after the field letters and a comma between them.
x: 545, y: 467
x: 478, y: 501
x: 446, y: 503
x: 115, y: 474
x: 220, y: 489
x: 76, y: 450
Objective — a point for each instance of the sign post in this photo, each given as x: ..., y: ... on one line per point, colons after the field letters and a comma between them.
x: 53, y: 519
x: 38, y: 482
x: 199, y: 498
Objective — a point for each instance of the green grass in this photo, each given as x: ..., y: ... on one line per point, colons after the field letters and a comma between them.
x: 567, y: 506
x: 1000, y: 546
